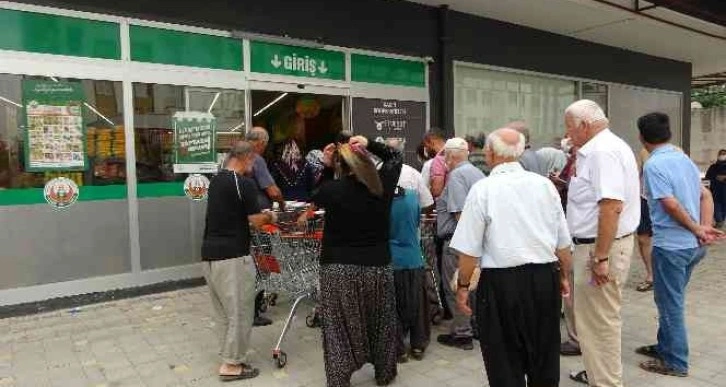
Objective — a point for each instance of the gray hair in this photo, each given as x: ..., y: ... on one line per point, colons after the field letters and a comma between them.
x: 502, y: 149
x: 586, y: 111
x: 398, y: 144
x: 241, y: 150
x: 257, y: 134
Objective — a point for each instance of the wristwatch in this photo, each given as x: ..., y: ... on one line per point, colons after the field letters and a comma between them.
x: 597, y: 260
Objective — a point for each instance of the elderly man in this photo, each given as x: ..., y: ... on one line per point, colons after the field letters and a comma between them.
x: 514, y: 228
x: 530, y: 160
x: 268, y: 191
x: 603, y: 212
x: 462, y: 176
x: 681, y: 210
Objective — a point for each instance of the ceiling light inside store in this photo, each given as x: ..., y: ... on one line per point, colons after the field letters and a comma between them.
x: 10, y: 102
x: 214, y: 101
x: 99, y: 114
x: 269, y: 105
x: 54, y: 79
x: 238, y: 127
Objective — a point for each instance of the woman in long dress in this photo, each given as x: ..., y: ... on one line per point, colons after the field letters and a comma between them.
x: 357, y: 293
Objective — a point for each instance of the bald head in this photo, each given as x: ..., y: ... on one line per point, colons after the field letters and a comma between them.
x: 503, y: 146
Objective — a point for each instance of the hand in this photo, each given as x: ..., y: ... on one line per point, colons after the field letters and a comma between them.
x: 271, y: 214
x: 708, y: 234
x: 462, y: 301
x: 600, y: 273
x: 555, y: 179
x: 359, y: 140
x: 565, y: 286
x: 328, y: 153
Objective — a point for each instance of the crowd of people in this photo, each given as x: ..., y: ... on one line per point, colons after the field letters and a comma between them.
x: 520, y: 232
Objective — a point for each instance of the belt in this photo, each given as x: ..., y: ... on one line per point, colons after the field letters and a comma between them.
x: 591, y: 241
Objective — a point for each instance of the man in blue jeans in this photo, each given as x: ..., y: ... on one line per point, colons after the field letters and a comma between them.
x: 681, y: 210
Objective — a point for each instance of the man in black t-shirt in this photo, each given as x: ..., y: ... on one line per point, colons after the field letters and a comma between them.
x: 228, y: 267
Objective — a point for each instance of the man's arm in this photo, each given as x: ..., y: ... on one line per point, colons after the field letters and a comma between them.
x: 467, y: 264
x: 261, y: 219
x: 565, y: 258
x: 706, y: 207
x: 437, y: 185
x: 273, y: 192
x: 607, y: 226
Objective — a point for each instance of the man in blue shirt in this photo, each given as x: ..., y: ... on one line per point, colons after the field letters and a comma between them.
x: 681, y: 210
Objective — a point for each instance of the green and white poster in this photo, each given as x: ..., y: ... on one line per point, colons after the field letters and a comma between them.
x: 55, y: 136
x: 194, y: 142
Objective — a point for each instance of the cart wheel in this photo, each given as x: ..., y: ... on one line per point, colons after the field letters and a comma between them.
x: 310, y: 321
x: 281, y: 360
x: 273, y: 299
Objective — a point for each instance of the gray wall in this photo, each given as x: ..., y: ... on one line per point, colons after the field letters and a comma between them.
x: 41, y: 245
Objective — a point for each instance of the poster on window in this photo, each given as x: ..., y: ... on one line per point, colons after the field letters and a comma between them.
x: 55, y: 135
x: 194, y: 142
x: 383, y: 119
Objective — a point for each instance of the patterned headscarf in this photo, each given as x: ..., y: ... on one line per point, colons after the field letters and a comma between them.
x: 291, y: 156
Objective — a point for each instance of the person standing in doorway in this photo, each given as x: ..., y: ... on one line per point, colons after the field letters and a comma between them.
x: 603, y: 212
x: 462, y: 176
x: 514, y: 228
x: 228, y: 267
x: 681, y: 210
x: 716, y: 175
x: 267, y: 192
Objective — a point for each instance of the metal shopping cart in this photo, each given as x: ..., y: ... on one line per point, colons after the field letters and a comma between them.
x: 428, y: 248
x: 287, y: 257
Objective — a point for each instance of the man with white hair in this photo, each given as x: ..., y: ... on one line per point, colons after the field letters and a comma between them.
x: 603, y: 212
x: 514, y: 228
x: 461, y: 177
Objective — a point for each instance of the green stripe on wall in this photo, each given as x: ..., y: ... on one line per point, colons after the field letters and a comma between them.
x: 155, y: 45
x: 61, y: 35
x: 373, y: 69
x: 159, y: 190
x: 26, y: 196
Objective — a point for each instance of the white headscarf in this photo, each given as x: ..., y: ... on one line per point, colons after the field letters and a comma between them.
x: 553, y: 159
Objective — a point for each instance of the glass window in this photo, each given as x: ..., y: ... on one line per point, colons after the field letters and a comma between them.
x: 72, y: 128
x: 154, y: 107
x: 597, y: 92
x: 494, y: 98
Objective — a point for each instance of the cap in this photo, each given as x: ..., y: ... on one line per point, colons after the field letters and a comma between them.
x: 456, y: 143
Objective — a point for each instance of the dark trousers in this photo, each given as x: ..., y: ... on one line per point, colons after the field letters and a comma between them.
x: 518, y: 312
x: 413, y: 308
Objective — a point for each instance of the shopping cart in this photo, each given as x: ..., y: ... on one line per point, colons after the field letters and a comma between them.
x: 287, y: 257
x: 428, y: 248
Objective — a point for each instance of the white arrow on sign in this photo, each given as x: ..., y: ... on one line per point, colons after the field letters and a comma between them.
x: 276, y: 62
x: 322, y: 68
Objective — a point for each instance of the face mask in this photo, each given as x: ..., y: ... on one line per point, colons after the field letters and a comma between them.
x: 566, y: 145
x: 722, y: 158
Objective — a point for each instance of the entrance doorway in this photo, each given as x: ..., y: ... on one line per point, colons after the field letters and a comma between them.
x: 311, y: 120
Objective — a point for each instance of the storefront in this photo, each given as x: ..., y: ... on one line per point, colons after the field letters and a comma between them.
x: 100, y: 96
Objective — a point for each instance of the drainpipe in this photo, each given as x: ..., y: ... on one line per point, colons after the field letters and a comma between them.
x: 446, y: 73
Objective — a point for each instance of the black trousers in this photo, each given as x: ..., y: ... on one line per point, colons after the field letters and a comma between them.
x: 518, y: 313
x: 412, y: 307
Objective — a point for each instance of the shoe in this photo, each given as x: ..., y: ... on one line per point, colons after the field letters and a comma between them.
x: 417, y: 354
x: 569, y: 349
x: 464, y: 343
x: 657, y: 366
x: 261, y: 321
x: 649, y: 351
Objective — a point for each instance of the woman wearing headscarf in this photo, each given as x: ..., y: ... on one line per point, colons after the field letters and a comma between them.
x: 553, y: 159
x: 357, y: 296
x: 315, y: 160
x: 295, y: 177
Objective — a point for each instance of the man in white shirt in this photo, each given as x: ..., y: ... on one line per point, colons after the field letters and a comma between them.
x: 513, y: 227
x: 603, y: 212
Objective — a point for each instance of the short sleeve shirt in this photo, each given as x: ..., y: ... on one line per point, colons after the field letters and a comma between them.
x: 452, y: 200
x: 438, y: 166
x: 263, y: 180
x: 669, y: 173
x: 411, y: 179
x: 231, y: 198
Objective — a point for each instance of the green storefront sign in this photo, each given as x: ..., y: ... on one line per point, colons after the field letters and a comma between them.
x: 55, y: 134
x: 373, y: 69
x: 194, y: 138
x: 269, y: 58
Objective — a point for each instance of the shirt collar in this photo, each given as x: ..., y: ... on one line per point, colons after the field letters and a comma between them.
x: 585, y: 149
x: 662, y: 149
x: 512, y: 166
x: 461, y: 164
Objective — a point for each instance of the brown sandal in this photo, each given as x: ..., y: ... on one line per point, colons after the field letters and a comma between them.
x: 245, y: 373
x: 658, y: 367
x: 645, y: 286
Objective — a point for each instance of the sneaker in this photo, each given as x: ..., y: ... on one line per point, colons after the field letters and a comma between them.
x: 464, y: 343
x: 261, y: 321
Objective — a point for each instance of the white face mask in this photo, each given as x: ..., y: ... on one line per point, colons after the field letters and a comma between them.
x: 566, y: 145
x: 722, y: 158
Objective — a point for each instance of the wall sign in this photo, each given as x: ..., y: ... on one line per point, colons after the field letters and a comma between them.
x: 196, y: 187
x: 61, y: 192
x: 55, y: 136
x: 280, y: 59
x: 373, y: 69
x: 381, y: 119
x: 194, y: 142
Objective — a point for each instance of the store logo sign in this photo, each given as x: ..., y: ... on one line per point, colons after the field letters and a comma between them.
x: 196, y: 187
x: 297, y: 61
x: 61, y: 192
